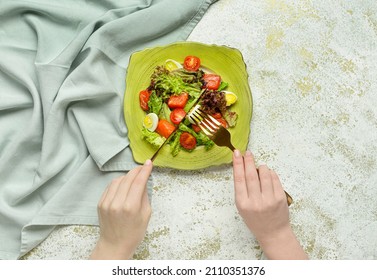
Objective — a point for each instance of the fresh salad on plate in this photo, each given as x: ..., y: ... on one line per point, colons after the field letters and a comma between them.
x: 174, y: 87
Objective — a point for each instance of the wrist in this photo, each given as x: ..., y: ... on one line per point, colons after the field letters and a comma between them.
x: 108, y: 251
x: 283, y: 244
x: 275, y: 236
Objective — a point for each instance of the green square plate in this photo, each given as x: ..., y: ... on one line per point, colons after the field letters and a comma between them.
x: 224, y: 61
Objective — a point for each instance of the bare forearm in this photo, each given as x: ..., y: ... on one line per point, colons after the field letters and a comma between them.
x: 284, y: 246
x: 105, y: 251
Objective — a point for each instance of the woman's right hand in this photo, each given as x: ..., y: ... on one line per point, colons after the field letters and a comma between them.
x: 261, y: 202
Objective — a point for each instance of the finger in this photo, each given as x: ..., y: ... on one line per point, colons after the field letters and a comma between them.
x: 145, y: 204
x: 278, y: 188
x: 252, y: 178
x: 265, y: 179
x: 124, y: 187
x: 240, y: 188
x: 145, y: 198
x: 139, y: 184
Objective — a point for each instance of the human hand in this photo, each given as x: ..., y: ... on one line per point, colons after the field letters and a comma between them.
x: 124, y: 212
x: 261, y: 202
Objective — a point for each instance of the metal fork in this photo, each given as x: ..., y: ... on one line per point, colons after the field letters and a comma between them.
x: 211, y: 127
x: 216, y: 132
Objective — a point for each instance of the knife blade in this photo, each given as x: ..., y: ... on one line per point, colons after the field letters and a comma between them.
x: 176, y: 128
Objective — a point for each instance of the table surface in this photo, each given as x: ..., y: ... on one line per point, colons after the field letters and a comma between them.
x: 312, y: 72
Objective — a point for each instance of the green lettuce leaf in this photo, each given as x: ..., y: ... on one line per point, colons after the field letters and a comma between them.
x: 152, y: 137
x: 155, y: 103
x: 175, y: 146
x: 231, y: 118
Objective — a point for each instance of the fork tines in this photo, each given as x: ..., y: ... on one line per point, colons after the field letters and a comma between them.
x: 206, y: 122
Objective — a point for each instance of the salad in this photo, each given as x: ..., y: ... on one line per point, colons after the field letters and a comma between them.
x: 174, y: 88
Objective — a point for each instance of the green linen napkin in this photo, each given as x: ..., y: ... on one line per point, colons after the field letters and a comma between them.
x: 62, y: 80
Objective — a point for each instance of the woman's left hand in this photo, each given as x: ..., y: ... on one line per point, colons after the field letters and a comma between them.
x: 124, y: 211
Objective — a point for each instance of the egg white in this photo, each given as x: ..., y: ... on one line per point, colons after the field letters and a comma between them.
x: 150, y: 121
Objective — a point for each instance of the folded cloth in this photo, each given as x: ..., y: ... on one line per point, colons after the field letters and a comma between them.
x: 62, y: 81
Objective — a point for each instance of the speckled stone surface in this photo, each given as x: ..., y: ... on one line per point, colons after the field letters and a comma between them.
x: 313, y: 69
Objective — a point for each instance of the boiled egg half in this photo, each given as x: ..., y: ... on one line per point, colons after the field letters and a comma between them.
x: 230, y: 97
x: 171, y: 64
x: 150, y: 121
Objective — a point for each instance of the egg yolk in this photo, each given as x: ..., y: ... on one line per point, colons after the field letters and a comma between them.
x: 230, y: 98
x: 148, y: 122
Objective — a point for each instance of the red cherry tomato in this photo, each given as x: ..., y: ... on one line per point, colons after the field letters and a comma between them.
x: 165, y: 128
x: 217, y: 115
x: 196, y: 128
x: 187, y: 141
x: 211, y: 81
x: 220, y: 119
x: 223, y: 122
x: 178, y: 101
x: 191, y: 63
x: 144, y: 98
x: 177, y: 115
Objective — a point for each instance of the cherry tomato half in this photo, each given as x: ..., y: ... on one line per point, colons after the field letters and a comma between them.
x: 187, y: 141
x: 177, y: 115
x: 178, y: 101
x: 144, y: 98
x: 165, y: 128
x: 223, y: 122
x: 191, y: 63
x: 220, y: 119
x: 196, y: 128
x: 211, y: 81
x: 217, y: 115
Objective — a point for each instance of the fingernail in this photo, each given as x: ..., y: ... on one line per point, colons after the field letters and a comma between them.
x: 248, y: 153
x: 237, y: 153
x: 148, y: 162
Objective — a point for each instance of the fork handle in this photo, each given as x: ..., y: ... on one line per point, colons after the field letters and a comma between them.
x: 289, y: 198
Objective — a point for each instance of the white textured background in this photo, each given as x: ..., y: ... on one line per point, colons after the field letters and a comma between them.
x: 313, y: 75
